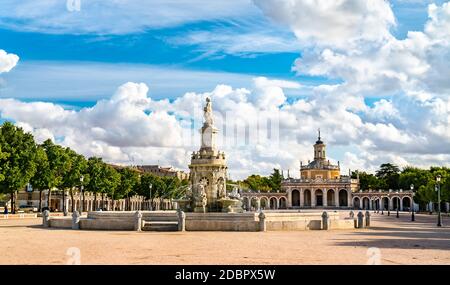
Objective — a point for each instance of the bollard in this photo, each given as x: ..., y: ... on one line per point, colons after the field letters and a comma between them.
x: 138, y: 221
x: 262, y: 222
x: 325, y: 221
x: 75, y: 220
x: 360, y: 220
x: 181, y: 221
x: 367, y: 219
x: 46, y: 218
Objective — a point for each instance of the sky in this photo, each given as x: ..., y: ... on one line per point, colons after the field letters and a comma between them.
x: 126, y: 79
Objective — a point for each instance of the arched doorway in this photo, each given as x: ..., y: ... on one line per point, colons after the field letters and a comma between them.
x: 330, y: 198
x: 406, y: 201
x: 376, y: 204
x: 356, y: 203
x: 366, y: 203
x: 254, y: 203
x: 245, y: 203
x: 319, y: 198
x: 264, y: 203
x: 282, y: 203
x: 395, y: 203
x: 343, y: 198
x: 273, y: 203
x: 307, y: 198
x: 384, y: 203
x: 295, y: 198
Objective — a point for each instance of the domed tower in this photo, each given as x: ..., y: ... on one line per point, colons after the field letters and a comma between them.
x: 320, y: 167
x: 208, y: 168
x: 319, y: 149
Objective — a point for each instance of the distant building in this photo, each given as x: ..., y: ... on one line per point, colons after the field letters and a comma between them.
x: 163, y: 171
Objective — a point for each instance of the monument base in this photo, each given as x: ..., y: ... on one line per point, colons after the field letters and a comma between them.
x: 200, y: 209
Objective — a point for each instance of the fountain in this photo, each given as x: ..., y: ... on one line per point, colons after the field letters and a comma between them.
x: 208, y: 169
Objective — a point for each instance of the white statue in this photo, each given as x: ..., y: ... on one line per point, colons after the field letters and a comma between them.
x: 208, y: 112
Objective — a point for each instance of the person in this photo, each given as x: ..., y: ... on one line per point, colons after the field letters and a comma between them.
x: 6, y: 210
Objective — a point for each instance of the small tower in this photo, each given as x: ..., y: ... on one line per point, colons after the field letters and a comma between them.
x: 319, y: 149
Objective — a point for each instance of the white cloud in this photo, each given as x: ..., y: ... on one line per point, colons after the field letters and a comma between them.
x: 131, y: 127
x: 7, y: 61
x: 341, y: 23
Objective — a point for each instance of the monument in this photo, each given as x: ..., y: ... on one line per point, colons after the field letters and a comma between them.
x: 208, y: 167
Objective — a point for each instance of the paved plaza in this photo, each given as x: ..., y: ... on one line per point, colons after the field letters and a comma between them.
x: 388, y: 241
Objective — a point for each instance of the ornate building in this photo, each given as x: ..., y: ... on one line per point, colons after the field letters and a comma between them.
x: 321, y: 183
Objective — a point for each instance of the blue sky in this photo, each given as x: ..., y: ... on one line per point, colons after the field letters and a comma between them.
x: 359, y: 74
x: 157, y: 48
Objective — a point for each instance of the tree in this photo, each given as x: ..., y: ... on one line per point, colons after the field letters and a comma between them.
x: 109, y: 182
x: 368, y: 180
x: 95, y: 172
x: 59, y: 164
x: 3, y: 156
x: 78, y: 168
x: 129, y: 178
x: 41, y: 177
x: 275, y: 180
x: 389, y: 173
x: 18, y: 165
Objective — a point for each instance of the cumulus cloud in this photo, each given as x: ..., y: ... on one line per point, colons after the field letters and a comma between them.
x: 259, y: 128
x: 7, y: 61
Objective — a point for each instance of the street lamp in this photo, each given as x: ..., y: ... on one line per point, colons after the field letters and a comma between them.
x: 389, y: 205
x: 398, y: 206
x: 413, y: 218
x: 438, y: 180
x: 81, y: 194
x: 150, y: 192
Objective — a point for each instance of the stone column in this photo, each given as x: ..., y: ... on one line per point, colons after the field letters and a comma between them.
x: 313, y: 198
x: 401, y: 204
x: 262, y: 222
x: 349, y: 198
x: 325, y: 197
x: 367, y: 219
x: 289, y: 198
x: 46, y: 219
x: 138, y: 221
x: 325, y: 221
x: 336, y: 197
x: 360, y: 220
x: 75, y: 220
x: 302, y: 198
x: 181, y: 221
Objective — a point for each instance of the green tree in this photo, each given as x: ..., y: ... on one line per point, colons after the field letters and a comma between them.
x: 59, y: 165
x: 389, y: 173
x: 95, y: 172
x: 109, y: 183
x: 275, y: 180
x: 41, y: 177
x: 129, y: 178
x: 18, y: 165
x: 72, y: 179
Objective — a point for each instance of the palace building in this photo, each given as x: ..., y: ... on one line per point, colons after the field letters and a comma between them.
x: 321, y: 183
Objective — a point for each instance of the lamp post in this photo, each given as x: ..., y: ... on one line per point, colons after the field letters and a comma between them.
x: 150, y: 192
x: 389, y: 205
x: 413, y: 218
x: 382, y: 206
x: 81, y: 194
x: 398, y: 206
x: 438, y: 180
